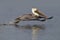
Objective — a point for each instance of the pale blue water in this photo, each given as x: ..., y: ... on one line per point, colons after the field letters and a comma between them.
x: 10, y: 9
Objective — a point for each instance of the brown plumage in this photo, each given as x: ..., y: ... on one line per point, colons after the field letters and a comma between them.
x: 35, y: 15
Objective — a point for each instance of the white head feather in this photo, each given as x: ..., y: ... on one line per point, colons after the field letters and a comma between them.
x: 33, y: 11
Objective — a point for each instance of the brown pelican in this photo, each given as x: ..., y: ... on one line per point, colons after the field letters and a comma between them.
x: 35, y: 15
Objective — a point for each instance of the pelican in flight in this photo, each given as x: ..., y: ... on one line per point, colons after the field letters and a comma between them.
x: 35, y: 15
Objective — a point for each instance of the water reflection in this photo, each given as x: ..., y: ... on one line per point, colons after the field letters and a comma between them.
x: 31, y: 27
x: 34, y: 28
x: 35, y: 31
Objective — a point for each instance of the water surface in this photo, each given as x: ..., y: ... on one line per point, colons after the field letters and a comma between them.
x: 10, y: 9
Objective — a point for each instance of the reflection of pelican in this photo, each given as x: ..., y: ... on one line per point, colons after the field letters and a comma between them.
x: 35, y: 31
x: 31, y: 27
x: 36, y: 14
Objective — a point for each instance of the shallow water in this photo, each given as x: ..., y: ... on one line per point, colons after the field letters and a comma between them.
x: 49, y: 30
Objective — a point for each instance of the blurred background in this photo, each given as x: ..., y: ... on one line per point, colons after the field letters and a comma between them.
x: 10, y: 9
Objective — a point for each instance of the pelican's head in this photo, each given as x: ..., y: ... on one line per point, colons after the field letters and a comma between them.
x: 33, y: 11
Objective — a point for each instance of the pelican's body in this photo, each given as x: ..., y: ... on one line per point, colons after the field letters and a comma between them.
x: 36, y: 14
x: 25, y: 17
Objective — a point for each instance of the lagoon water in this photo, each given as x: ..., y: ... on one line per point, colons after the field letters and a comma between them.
x: 49, y: 30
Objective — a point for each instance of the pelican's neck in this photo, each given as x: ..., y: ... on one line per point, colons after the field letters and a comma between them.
x: 36, y: 14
